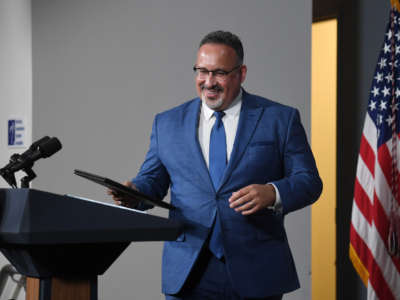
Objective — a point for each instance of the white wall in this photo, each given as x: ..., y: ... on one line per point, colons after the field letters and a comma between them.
x: 15, y: 70
x: 15, y: 75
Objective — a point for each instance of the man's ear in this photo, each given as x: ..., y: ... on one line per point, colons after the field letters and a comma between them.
x: 243, y: 73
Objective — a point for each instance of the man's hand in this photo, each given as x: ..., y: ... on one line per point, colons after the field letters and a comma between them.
x: 253, y: 198
x: 123, y: 200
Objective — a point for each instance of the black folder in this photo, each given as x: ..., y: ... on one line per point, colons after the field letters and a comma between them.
x: 122, y: 189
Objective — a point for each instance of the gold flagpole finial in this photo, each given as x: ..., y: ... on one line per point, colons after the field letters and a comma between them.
x: 395, y: 4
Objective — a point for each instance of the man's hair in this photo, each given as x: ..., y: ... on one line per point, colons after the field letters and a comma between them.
x: 225, y: 38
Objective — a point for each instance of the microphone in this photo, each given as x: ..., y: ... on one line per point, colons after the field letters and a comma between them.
x: 15, y: 157
x: 36, y: 144
x: 43, y: 148
x: 48, y: 148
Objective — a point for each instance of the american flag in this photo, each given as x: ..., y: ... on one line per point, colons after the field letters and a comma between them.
x: 375, y: 220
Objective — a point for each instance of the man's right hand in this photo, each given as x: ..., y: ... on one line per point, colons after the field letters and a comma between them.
x: 124, y: 200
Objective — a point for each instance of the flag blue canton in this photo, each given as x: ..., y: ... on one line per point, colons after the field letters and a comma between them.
x: 386, y: 79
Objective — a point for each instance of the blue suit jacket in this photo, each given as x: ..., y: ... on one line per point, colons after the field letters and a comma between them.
x: 270, y: 146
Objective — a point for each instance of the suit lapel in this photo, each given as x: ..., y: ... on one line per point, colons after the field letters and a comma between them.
x: 249, y: 116
x: 191, y: 125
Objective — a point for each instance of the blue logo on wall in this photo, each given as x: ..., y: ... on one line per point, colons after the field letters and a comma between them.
x: 11, y: 132
x: 15, y: 132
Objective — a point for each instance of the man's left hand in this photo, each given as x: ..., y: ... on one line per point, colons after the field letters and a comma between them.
x: 253, y: 198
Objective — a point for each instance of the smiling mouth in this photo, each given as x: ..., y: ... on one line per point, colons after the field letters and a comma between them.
x: 211, y: 93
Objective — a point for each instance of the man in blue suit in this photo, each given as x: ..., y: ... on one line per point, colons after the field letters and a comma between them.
x: 235, y: 164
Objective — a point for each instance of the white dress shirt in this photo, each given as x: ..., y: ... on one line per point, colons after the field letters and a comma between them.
x: 230, y: 121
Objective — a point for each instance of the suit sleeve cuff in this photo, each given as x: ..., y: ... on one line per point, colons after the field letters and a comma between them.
x: 277, y: 207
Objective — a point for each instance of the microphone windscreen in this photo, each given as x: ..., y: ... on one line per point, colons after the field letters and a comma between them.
x: 38, y: 142
x: 49, y: 147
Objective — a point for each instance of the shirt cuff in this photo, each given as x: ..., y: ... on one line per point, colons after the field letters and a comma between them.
x: 277, y: 207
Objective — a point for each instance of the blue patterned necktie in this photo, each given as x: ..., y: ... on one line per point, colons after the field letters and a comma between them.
x: 217, y: 165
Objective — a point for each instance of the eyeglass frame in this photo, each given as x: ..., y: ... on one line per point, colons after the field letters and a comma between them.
x: 222, y: 73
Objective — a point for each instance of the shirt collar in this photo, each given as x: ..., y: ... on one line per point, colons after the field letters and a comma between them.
x: 232, y: 110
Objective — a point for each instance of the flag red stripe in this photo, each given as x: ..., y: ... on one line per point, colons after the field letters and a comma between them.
x: 385, y: 162
x: 363, y: 201
x: 367, y: 154
x: 375, y: 274
x: 360, y: 247
x: 382, y: 226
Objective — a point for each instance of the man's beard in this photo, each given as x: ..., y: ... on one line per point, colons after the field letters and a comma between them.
x: 213, y: 104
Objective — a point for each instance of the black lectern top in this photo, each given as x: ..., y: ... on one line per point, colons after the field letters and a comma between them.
x: 44, y: 234
x: 29, y: 216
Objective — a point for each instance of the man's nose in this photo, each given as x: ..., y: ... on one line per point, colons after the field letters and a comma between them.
x: 210, y: 79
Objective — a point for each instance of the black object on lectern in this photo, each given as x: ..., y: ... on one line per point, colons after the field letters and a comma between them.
x: 45, y: 235
x: 122, y: 189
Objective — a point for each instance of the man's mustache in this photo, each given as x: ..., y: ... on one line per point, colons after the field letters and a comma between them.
x: 215, y: 88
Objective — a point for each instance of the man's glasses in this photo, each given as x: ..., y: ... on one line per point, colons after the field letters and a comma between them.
x: 202, y: 73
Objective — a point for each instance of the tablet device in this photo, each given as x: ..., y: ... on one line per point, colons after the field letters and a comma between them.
x: 122, y: 189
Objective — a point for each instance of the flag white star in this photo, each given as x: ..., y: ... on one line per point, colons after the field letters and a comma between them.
x: 397, y: 49
x: 382, y: 106
x: 375, y: 91
x: 389, y: 34
x: 389, y: 120
x: 379, y: 119
x: 379, y: 77
x: 395, y: 63
x: 397, y: 35
x: 372, y: 105
x: 389, y: 77
x: 397, y: 92
x: 386, y: 48
x: 396, y: 106
x: 385, y: 91
x: 382, y: 63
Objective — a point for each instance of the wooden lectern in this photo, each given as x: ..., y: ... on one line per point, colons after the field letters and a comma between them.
x: 63, y: 243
